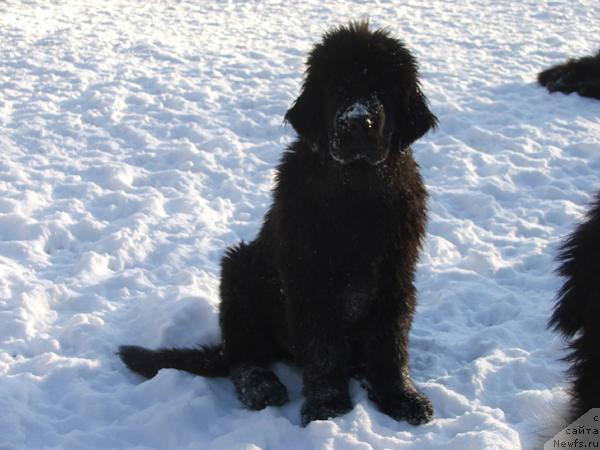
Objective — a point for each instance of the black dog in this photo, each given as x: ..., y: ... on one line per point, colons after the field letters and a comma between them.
x: 580, y: 75
x: 578, y: 308
x: 328, y: 281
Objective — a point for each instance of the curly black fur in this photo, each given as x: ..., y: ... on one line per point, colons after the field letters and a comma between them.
x: 578, y: 308
x: 328, y: 281
x: 580, y: 75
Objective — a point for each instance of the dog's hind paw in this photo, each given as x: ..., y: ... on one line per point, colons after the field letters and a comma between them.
x: 258, y: 388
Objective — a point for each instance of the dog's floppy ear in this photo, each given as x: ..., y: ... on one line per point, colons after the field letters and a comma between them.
x: 304, y: 115
x: 417, y: 120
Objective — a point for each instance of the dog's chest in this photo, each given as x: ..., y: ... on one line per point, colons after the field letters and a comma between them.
x: 355, y: 304
x: 356, y: 226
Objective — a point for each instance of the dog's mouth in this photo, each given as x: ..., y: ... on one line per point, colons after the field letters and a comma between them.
x: 358, y: 133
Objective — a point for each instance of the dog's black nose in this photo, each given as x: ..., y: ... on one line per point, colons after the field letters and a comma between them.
x: 362, y: 127
x: 361, y: 124
x: 362, y: 119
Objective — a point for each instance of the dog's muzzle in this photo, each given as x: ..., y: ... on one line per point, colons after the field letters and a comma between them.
x: 358, y: 132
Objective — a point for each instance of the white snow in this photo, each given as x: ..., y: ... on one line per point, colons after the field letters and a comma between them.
x: 138, y: 140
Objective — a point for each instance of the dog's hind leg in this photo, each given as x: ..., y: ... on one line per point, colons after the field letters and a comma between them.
x: 258, y: 387
x: 248, y: 319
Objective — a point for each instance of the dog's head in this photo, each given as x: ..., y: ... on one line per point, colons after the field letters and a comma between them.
x: 361, y: 97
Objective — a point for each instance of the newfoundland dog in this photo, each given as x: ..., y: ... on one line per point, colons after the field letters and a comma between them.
x: 578, y: 308
x: 328, y: 281
x: 580, y: 75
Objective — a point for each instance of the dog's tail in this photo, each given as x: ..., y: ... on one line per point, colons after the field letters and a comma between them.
x: 205, y: 361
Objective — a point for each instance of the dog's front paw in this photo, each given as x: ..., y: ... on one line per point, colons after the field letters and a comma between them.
x: 324, y: 407
x: 407, y: 404
x: 549, y: 76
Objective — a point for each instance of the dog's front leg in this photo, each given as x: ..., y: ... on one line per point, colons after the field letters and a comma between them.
x: 387, y: 359
x: 321, y: 349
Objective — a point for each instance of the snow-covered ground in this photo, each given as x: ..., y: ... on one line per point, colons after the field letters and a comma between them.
x: 138, y: 140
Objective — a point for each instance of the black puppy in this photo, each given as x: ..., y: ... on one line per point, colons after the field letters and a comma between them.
x: 577, y: 311
x: 580, y: 75
x: 328, y: 281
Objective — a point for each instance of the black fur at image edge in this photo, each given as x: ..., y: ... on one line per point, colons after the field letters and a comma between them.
x: 577, y: 311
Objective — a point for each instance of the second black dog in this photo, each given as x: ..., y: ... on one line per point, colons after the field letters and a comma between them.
x: 578, y: 309
x: 581, y: 75
x: 328, y: 281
